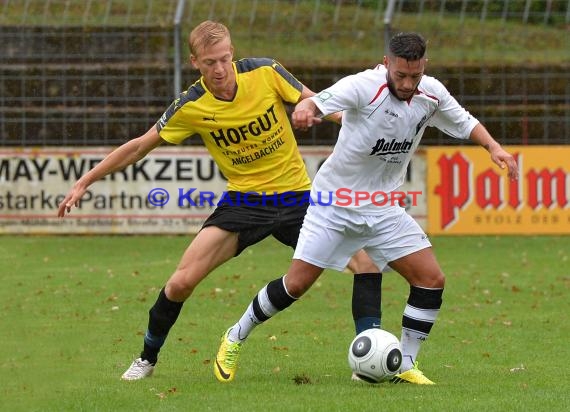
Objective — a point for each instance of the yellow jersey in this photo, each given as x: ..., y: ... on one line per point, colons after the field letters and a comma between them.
x: 249, y: 137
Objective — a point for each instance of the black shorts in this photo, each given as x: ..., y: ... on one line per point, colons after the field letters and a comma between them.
x: 255, y: 217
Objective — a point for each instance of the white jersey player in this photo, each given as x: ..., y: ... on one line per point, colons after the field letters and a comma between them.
x: 380, y: 133
x: 385, y: 113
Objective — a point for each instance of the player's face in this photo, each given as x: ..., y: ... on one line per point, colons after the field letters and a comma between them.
x: 404, y: 76
x: 215, y: 64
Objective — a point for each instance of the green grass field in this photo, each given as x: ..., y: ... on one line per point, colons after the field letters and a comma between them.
x: 74, y: 310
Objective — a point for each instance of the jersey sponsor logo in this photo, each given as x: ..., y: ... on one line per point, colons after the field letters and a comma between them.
x: 258, y: 154
x: 393, y: 146
x: 235, y: 135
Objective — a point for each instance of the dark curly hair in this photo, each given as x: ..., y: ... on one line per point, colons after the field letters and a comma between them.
x: 409, y: 46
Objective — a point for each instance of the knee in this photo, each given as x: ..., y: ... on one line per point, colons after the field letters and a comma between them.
x: 296, y: 284
x: 178, y: 289
x: 435, y: 280
x: 300, y: 276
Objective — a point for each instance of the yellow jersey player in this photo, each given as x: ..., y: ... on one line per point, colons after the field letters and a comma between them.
x: 238, y: 109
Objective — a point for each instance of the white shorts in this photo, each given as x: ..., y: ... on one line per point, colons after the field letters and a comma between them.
x: 331, y: 235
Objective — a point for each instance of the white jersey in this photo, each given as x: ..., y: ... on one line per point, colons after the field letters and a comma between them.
x: 379, y: 135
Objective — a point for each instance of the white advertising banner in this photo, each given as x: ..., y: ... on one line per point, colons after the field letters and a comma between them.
x: 172, y: 190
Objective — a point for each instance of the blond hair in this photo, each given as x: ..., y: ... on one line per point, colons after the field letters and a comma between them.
x: 207, y: 34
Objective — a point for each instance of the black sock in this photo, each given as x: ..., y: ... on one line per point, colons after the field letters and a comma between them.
x: 161, y: 318
x: 426, y: 303
x: 367, y: 301
x: 278, y: 298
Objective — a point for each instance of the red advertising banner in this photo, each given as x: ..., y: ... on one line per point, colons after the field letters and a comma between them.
x: 468, y: 194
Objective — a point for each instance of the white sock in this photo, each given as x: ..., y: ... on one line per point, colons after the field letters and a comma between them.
x: 410, y: 342
x: 244, y: 326
x: 248, y: 321
x: 411, y: 339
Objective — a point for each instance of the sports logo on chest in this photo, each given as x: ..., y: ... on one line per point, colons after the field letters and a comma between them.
x: 235, y: 135
x: 392, y: 113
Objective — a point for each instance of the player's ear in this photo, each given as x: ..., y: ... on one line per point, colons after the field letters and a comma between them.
x: 193, y: 61
x: 385, y: 61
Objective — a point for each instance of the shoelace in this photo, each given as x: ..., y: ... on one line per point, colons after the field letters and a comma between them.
x: 231, y: 354
x: 416, y: 367
x: 139, y: 366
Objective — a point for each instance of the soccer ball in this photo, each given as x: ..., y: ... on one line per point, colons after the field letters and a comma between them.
x: 375, y: 355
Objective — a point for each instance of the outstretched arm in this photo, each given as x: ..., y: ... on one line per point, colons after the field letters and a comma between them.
x: 126, y: 154
x: 333, y: 117
x: 500, y: 156
x: 306, y: 114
